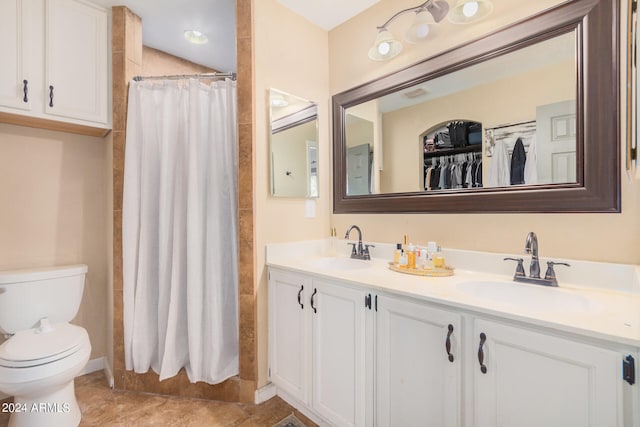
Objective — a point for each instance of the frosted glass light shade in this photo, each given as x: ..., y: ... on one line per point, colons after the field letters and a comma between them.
x: 466, y: 11
x: 419, y: 30
x: 385, y: 46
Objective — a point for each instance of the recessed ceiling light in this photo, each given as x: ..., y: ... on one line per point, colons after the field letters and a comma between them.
x: 195, y: 37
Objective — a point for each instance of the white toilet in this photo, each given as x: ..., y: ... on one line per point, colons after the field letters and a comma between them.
x: 44, y: 352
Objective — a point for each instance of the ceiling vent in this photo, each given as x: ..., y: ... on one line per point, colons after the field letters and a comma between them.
x: 415, y: 93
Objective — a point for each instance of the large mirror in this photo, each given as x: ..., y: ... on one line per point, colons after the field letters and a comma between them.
x: 523, y: 120
x: 293, y: 145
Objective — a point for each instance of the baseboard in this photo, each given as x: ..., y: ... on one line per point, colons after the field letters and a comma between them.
x: 93, y: 365
x: 109, y: 373
x: 302, y: 408
x: 265, y: 393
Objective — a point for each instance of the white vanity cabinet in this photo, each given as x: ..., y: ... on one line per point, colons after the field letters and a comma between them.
x: 355, y: 357
x: 418, y: 364
x: 526, y: 378
x: 55, y: 71
x: 338, y: 356
x: 289, y: 338
x: 317, y: 345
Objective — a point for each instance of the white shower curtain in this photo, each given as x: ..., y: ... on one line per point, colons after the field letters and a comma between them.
x: 179, y: 230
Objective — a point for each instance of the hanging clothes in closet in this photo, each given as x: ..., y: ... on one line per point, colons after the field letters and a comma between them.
x: 518, y: 160
x: 516, y: 169
x: 453, y: 171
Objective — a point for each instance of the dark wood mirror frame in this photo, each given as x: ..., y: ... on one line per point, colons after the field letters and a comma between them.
x: 596, y: 25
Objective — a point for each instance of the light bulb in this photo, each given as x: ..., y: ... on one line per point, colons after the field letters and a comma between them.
x: 422, y: 31
x: 470, y: 9
x: 384, y: 48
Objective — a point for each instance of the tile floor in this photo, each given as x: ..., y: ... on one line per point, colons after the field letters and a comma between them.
x: 102, y: 406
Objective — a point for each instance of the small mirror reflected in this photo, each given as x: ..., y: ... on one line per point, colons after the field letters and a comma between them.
x: 294, y: 145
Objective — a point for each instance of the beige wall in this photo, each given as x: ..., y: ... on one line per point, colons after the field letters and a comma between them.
x: 54, y: 194
x: 291, y: 55
x: 156, y: 62
x: 601, y: 237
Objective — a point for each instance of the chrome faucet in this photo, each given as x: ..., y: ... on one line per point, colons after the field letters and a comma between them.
x: 531, y: 247
x: 361, y: 252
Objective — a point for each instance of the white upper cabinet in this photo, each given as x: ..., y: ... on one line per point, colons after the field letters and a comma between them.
x: 76, y: 61
x: 18, y: 23
x: 55, y: 64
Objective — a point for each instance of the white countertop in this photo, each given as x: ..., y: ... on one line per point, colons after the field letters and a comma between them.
x: 608, y: 296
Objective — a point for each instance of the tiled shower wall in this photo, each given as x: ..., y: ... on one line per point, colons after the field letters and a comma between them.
x: 127, y: 63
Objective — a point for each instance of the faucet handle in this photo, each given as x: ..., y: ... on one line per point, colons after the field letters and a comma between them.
x: 551, y: 274
x: 365, y: 253
x: 354, y: 252
x: 519, y: 267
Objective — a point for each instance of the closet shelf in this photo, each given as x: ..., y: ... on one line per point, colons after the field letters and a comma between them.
x: 450, y: 151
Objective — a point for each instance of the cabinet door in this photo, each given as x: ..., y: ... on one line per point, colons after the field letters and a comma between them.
x: 288, y: 333
x: 339, y: 316
x: 76, y: 61
x: 534, y: 380
x: 18, y: 22
x: 418, y: 365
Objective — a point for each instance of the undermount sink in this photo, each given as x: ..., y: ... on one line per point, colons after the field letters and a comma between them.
x: 530, y: 296
x: 338, y: 263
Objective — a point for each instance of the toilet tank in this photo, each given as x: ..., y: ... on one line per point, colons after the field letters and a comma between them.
x: 26, y: 296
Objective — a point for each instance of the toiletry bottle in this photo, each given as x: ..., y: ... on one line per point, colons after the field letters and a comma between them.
x: 411, y: 256
x: 438, y: 259
x: 403, y: 259
x: 423, y: 258
x: 432, y: 248
x: 396, y: 254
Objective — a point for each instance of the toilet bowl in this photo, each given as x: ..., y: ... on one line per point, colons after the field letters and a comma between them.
x: 44, y: 353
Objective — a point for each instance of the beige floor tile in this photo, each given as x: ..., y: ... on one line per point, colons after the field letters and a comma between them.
x: 103, y: 407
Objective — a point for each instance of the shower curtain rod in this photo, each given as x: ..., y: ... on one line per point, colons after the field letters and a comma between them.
x: 229, y: 75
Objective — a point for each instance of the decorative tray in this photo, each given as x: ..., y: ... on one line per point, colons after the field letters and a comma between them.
x: 429, y: 271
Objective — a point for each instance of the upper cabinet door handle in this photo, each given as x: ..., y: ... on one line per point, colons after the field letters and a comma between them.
x: 300, y: 297
x: 483, y: 338
x: 313, y: 295
x: 25, y: 89
x: 448, y: 343
x: 50, y: 96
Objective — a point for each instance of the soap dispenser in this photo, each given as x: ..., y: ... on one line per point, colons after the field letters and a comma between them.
x: 397, y: 254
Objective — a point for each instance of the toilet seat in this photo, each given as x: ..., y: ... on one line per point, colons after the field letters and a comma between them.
x: 35, y: 347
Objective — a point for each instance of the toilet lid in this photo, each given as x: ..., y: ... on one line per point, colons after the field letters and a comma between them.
x: 32, y: 347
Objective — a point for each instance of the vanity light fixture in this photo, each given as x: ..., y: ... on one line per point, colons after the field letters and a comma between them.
x: 466, y: 11
x: 386, y: 46
x: 195, y: 37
